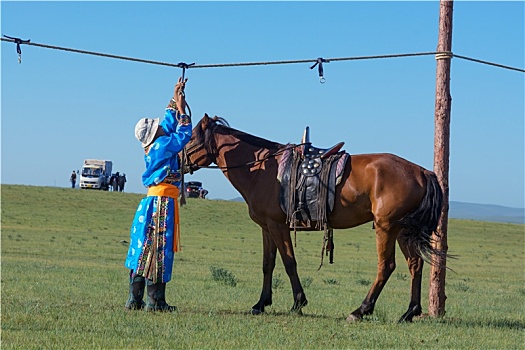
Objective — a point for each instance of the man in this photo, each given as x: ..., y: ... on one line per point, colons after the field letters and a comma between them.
x: 202, y: 193
x: 155, y: 228
x: 113, y: 182
x: 121, y: 180
x: 73, y: 179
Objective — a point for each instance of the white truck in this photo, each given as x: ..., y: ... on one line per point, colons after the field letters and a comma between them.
x: 95, y: 174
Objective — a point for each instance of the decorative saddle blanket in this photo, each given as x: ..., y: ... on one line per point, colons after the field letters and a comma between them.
x: 308, y: 178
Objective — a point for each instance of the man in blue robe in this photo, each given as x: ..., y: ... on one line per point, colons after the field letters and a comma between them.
x: 155, y: 231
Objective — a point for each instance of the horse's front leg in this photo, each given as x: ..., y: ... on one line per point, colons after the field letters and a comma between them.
x: 269, y: 251
x: 281, y: 236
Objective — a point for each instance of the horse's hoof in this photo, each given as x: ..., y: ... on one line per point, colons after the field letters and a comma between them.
x: 353, y: 318
x: 409, y: 315
x: 296, y: 312
x: 256, y: 312
x: 405, y: 319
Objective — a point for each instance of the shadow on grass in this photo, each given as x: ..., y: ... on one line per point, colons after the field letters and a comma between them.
x: 499, y: 324
x: 248, y: 313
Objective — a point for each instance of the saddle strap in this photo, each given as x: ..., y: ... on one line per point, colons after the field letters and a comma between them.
x: 328, y: 246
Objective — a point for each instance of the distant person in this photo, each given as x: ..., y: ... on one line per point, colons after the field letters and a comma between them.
x: 113, y: 182
x: 202, y: 193
x: 73, y: 179
x: 154, y: 233
x: 121, y: 181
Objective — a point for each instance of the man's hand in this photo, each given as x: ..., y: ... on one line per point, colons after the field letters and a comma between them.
x: 178, y: 95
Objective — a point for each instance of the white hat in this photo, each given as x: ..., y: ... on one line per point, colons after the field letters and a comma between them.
x: 146, y: 129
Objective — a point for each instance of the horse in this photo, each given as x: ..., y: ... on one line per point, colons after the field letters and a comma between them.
x: 402, y: 199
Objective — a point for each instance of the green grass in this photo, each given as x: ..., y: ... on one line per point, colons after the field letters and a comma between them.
x: 63, y: 283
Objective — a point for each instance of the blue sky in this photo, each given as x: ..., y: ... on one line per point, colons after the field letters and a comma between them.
x: 59, y: 108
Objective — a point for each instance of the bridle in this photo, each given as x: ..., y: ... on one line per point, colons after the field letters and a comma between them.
x: 190, y: 167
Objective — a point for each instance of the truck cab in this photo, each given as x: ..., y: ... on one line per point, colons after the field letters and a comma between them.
x: 95, y: 174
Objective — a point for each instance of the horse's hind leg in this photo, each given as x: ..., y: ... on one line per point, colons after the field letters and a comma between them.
x: 269, y: 252
x: 386, y: 264
x: 415, y: 266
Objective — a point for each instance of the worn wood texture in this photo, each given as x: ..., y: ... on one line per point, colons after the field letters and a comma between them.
x: 437, y: 294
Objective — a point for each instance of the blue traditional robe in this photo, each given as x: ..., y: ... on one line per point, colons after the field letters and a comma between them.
x: 154, y: 231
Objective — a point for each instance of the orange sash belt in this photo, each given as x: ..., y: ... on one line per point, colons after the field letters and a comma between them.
x: 168, y: 190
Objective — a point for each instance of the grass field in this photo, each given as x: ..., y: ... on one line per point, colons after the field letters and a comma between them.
x: 63, y: 283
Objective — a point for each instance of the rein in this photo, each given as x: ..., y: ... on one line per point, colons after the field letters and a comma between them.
x: 273, y: 155
x: 184, y: 66
x: 184, y: 157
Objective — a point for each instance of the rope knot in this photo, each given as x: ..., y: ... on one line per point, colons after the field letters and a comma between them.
x: 18, y: 41
x: 444, y: 55
x: 184, y: 66
x: 319, y: 64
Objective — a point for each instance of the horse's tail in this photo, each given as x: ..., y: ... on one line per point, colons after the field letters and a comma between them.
x: 420, y: 223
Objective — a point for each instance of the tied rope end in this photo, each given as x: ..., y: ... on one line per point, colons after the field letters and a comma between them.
x: 18, y: 42
x: 182, y: 184
x: 319, y: 64
x: 184, y: 66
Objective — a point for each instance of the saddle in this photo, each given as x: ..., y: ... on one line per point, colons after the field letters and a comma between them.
x: 308, y: 177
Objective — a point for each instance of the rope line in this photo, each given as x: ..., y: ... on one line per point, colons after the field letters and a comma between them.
x: 96, y: 53
x: 490, y: 63
x: 244, y: 64
x: 314, y: 60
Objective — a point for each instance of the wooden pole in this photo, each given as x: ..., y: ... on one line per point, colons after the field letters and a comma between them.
x: 437, y: 297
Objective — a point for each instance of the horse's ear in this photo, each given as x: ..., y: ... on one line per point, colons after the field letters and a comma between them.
x: 205, y: 121
x: 215, y: 118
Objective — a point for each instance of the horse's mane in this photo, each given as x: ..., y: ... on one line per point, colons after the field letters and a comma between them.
x: 220, y: 125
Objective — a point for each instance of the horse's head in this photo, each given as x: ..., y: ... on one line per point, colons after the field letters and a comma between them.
x: 201, y: 151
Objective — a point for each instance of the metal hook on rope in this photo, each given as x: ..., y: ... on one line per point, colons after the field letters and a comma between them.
x: 319, y: 63
x: 18, y: 41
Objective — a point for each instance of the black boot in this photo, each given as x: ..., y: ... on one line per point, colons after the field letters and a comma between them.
x: 136, y: 293
x: 157, y: 298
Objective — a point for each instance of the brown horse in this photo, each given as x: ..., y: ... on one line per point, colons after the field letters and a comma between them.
x: 401, y: 198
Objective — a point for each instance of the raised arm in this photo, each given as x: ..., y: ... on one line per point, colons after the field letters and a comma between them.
x: 176, y: 109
